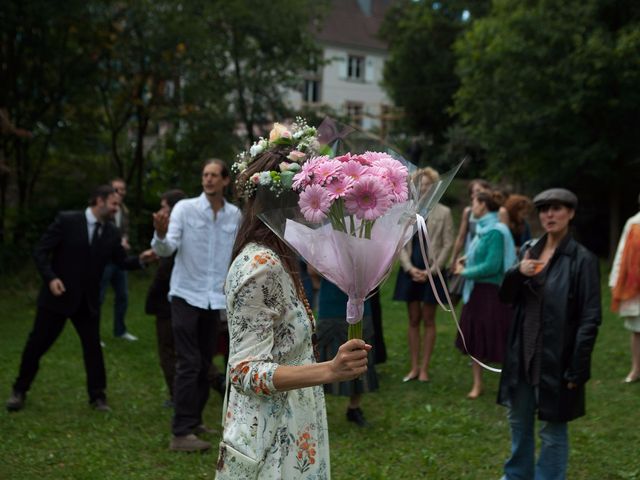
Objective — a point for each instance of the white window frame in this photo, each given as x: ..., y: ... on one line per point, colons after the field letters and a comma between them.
x: 356, y: 67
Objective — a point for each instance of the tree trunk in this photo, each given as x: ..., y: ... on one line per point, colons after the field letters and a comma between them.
x: 22, y: 182
x: 614, y: 221
x: 3, y: 203
x: 138, y: 172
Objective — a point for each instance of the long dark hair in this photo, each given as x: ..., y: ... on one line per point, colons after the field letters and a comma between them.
x: 252, y: 229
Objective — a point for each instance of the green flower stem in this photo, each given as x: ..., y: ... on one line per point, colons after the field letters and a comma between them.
x: 339, y: 210
x: 355, y: 330
x: 368, y: 228
x: 335, y: 215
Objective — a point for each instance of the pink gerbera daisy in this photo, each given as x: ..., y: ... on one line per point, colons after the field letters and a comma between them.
x: 394, y: 174
x: 339, y: 187
x: 399, y: 187
x: 379, y: 171
x: 353, y: 169
x: 397, y: 177
x: 369, y: 198
x: 314, y: 203
x: 303, y: 177
x: 375, y: 157
x: 344, y: 158
x: 325, y: 171
x: 392, y: 171
x: 362, y: 160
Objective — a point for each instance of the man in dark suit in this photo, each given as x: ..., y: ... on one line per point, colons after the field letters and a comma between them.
x: 71, y: 258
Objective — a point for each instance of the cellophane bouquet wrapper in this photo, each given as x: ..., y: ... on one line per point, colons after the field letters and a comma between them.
x: 351, y: 212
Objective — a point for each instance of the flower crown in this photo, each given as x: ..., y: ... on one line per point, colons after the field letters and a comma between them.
x: 303, y: 141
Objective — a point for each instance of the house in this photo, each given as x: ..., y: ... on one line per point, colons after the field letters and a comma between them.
x: 349, y: 82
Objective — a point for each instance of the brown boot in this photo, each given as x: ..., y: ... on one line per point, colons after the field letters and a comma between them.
x: 188, y: 443
x: 203, y: 429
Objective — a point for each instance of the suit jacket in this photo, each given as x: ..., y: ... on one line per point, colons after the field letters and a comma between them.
x: 64, y: 252
x: 440, y: 227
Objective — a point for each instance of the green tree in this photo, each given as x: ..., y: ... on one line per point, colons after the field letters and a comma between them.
x: 420, y: 72
x: 141, y: 89
x: 141, y: 61
x: 43, y: 63
x: 267, y: 48
x: 550, y: 90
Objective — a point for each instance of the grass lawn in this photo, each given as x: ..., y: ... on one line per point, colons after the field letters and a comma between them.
x: 418, y: 431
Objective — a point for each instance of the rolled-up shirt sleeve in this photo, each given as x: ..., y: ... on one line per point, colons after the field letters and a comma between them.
x: 255, y: 304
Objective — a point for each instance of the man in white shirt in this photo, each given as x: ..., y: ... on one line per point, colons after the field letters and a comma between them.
x: 202, y: 231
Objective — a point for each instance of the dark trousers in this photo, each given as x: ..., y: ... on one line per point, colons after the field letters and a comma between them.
x: 194, y: 335
x: 117, y: 277
x: 167, y: 356
x: 46, y: 329
x: 166, y: 350
x: 379, y: 347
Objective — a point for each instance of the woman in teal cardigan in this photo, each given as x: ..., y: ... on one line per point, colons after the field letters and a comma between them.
x: 485, y: 320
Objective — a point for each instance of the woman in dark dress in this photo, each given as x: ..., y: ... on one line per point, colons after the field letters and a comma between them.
x: 485, y: 320
x: 413, y: 286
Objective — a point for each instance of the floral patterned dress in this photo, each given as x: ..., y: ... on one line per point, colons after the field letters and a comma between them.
x: 269, y: 434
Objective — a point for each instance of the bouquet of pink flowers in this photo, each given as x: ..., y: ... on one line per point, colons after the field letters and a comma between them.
x: 352, y: 191
x: 353, y: 213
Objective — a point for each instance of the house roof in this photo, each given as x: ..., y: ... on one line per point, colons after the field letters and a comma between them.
x: 348, y: 23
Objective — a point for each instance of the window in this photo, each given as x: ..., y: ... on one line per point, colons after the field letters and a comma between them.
x: 354, y: 111
x: 355, y: 67
x: 311, y: 91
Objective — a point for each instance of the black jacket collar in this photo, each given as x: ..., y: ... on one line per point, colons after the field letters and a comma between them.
x: 567, y: 246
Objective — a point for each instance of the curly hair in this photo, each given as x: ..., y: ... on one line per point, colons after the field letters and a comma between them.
x: 515, y: 206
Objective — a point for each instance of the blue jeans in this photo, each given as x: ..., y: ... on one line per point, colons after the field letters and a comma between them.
x: 554, y: 448
x: 117, y: 277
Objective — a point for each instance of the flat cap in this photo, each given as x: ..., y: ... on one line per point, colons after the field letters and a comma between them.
x: 556, y: 195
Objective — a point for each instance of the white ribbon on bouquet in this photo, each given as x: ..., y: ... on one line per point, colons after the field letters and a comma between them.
x: 423, y: 237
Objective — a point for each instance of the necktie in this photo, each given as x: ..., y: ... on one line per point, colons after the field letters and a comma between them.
x: 96, y: 232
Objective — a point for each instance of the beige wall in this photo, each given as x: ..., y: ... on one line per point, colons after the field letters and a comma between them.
x: 337, y: 90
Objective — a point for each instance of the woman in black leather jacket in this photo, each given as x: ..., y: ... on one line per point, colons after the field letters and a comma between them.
x: 555, y: 290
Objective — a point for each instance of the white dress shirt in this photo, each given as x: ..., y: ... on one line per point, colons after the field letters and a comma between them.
x: 91, y: 223
x: 204, y: 245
